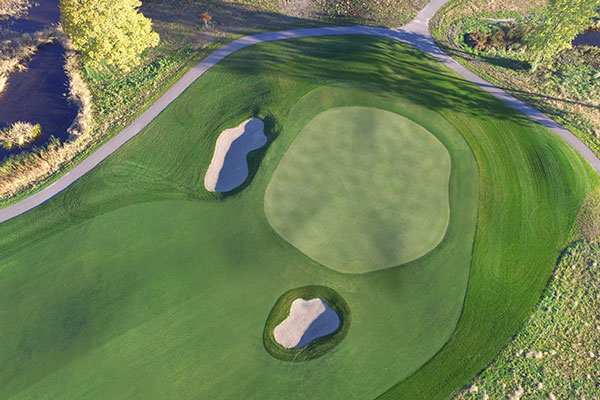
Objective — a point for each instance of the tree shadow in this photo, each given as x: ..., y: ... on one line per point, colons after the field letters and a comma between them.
x: 384, y: 66
x: 181, y: 20
x: 396, y: 69
x: 516, y: 66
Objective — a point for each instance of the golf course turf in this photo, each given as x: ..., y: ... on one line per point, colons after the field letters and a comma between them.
x: 138, y: 282
x: 367, y: 171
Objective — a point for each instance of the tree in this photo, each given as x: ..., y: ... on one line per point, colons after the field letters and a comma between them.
x: 110, y: 34
x: 559, y: 24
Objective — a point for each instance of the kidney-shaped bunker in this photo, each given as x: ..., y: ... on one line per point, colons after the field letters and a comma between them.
x: 229, y: 167
x: 308, y: 320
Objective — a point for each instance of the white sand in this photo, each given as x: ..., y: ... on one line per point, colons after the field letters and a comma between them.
x: 308, y: 320
x: 229, y: 167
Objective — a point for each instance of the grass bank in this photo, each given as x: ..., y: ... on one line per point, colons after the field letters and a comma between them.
x: 555, y: 354
x: 318, y: 347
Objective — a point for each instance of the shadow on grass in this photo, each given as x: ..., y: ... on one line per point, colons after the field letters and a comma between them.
x: 514, y: 65
x: 392, y: 68
x: 179, y: 20
x: 386, y: 67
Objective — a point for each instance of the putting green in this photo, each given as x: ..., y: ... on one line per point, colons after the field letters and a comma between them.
x: 361, y: 189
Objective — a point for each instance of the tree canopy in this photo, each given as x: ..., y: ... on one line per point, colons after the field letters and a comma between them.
x: 559, y: 24
x: 111, y: 34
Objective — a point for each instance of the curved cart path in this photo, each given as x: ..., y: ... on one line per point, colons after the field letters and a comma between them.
x: 416, y: 33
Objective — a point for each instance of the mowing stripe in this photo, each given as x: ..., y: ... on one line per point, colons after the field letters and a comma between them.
x: 416, y: 34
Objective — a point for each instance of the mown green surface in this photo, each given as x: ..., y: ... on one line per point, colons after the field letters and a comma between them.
x: 317, y: 347
x: 136, y: 282
x: 361, y: 189
x: 555, y: 352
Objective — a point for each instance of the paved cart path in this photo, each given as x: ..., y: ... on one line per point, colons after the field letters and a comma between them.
x: 416, y: 33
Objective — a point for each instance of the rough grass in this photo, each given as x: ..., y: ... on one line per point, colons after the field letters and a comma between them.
x: 568, y: 91
x: 391, y: 13
x: 13, y: 8
x: 139, y: 277
x: 319, y: 346
x: 555, y: 355
x: 589, y: 218
x: 19, y: 134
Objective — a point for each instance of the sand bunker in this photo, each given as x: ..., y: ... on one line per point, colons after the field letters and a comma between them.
x: 308, y: 320
x: 229, y: 167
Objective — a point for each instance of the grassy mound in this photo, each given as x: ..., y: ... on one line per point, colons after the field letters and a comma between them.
x: 140, y: 278
x: 361, y: 189
x: 317, y: 347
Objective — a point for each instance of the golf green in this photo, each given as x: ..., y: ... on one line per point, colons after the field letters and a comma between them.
x: 136, y: 282
x: 361, y: 189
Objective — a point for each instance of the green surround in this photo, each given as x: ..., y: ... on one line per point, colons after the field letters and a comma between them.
x: 317, y: 347
x: 137, y: 282
x: 361, y: 189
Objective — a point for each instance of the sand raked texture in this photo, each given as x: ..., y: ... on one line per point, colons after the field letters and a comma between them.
x: 308, y: 320
x: 228, y: 168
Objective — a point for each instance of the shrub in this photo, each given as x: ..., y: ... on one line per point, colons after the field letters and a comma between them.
x: 496, y: 37
x: 19, y: 134
x: 13, y: 8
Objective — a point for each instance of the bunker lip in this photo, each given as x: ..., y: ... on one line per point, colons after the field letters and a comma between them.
x: 308, y: 320
x: 228, y: 168
x: 305, y: 323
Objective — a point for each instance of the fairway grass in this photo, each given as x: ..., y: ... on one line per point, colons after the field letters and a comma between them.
x: 361, y: 189
x: 136, y: 282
